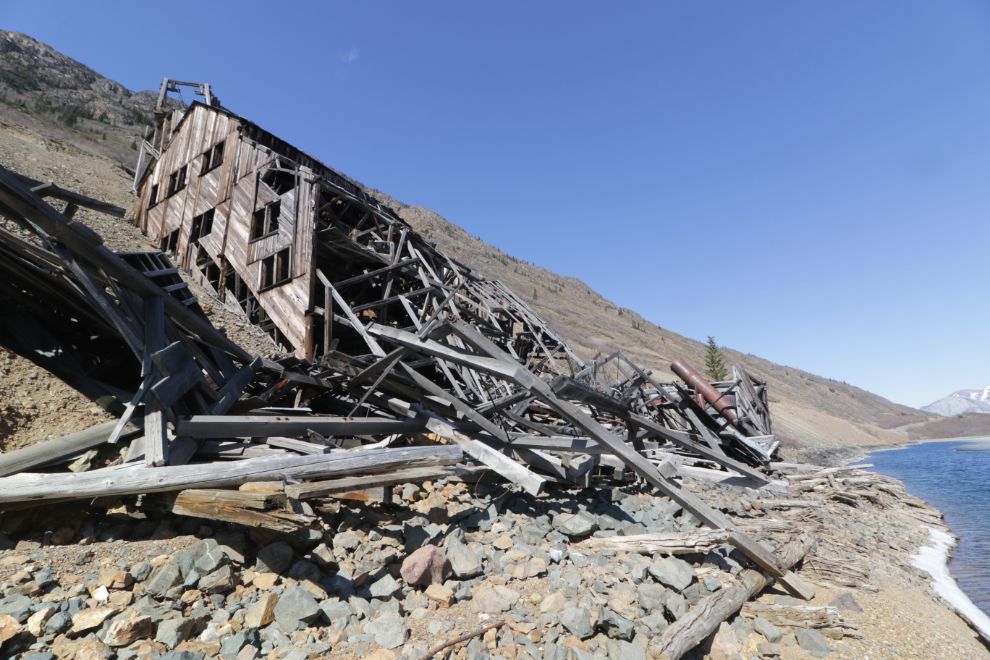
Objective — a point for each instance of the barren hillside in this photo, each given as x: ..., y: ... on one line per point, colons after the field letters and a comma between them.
x: 43, y: 90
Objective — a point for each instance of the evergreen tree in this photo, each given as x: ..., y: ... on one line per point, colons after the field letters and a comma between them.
x: 715, y: 369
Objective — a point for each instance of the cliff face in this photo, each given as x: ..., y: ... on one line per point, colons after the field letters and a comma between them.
x: 65, y: 102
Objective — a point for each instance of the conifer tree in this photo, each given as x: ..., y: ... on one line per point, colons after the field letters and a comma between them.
x: 715, y: 368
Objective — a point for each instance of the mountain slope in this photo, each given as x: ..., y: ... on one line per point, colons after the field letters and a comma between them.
x: 69, y: 101
x: 809, y: 410
x: 961, y: 401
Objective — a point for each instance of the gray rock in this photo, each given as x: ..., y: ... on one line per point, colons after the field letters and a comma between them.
x: 768, y: 649
x: 620, y: 650
x: 440, y: 627
x: 578, y: 525
x: 811, y: 640
x: 385, y: 588
x: 274, y: 558
x: 577, y: 620
x: 674, y: 573
x: 39, y: 655
x: 651, y: 597
x: 218, y: 581
x: 846, y: 602
x: 789, y: 601
x: 617, y: 627
x: 232, y: 646
x: 464, y: 561
x: 711, y: 583
x: 390, y: 630
x: 677, y: 605
x: 182, y: 655
x: 212, y: 558
x: 767, y: 629
x: 141, y: 572
x: 656, y: 622
x: 172, y: 632
x: 295, y: 609
x: 337, y: 609
x: 59, y: 623
x: 17, y: 606
x: 168, y: 576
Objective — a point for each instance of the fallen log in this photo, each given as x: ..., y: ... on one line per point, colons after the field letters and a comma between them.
x: 136, y: 480
x: 50, y: 451
x: 240, y: 507
x: 674, y: 543
x: 332, y: 487
x: 704, y: 618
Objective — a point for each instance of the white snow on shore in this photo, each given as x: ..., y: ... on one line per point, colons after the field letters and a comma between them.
x: 935, y: 559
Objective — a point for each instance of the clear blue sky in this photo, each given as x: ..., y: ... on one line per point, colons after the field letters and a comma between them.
x: 806, y: 181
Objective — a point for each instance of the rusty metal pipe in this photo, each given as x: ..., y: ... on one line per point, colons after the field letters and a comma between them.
x: 691, y: 376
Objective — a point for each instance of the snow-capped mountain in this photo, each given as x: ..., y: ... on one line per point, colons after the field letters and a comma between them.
x: 961, y: 402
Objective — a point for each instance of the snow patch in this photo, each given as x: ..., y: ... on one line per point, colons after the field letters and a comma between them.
x: 934, y: 559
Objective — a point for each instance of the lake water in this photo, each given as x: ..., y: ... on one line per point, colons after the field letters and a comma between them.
x: 958, y: 484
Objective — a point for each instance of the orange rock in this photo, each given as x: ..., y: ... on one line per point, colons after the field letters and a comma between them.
x: 9, y: 627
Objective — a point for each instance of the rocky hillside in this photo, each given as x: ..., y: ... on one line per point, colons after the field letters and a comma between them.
x: 66, y: 99
x: 41, y: 87
x: 961, y: 401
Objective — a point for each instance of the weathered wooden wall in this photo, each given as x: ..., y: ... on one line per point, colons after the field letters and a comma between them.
x: 235, y: 190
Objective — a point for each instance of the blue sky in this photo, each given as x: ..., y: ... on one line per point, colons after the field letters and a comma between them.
x: 806, y: 181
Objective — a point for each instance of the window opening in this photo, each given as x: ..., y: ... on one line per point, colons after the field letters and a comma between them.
x: 213, y: 158
x: 275, y: 269
x: 265, y: 220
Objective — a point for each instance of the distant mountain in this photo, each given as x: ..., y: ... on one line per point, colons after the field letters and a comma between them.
x: 963, y: 401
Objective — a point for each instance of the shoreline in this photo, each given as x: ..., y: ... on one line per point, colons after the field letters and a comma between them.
x: 935, y: 558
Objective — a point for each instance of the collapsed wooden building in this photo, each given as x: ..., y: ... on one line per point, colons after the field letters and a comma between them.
x: 399, y: 363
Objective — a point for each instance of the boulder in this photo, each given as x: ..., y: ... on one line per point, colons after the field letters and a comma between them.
x: 262, y: 611
x: 127, y: 629
x: 464, y: 561
x: 767, y: 629
x: 274, y: 558
x: 390, y: 630
x: 427, y: 565
x: 295, y: 609
x: 674, y: 573
x: 577, y: 621
x: 811, y: 640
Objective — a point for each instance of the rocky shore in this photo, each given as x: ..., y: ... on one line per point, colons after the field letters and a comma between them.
x: 109, y: 580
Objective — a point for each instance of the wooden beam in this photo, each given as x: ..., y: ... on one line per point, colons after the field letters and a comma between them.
x: 217, y: 426
x: 324, y: 488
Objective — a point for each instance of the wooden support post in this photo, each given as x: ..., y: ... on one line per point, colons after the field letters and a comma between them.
x: 155, y: 424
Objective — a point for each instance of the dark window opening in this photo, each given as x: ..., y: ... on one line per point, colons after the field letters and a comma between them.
x: 212, y: 158
x: 202, y: 225
x: 265, y: 220
x: 170, y: 241
x: 153, y: 196
x: 176, y: 181
x: 275, y: 269
x: 238, y: 288
x: 279, y: 180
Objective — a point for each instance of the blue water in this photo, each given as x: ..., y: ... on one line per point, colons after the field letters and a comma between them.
x: 958, y: 484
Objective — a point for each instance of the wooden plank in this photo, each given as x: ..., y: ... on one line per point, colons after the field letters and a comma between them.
x: 134, y: 480
x: 232, y: 389
x: 155, y: 428
x: 324, y: 488
x: 49, y: 451
x: 298, y: 446
x: 260, y: 501
x: 216, y: 426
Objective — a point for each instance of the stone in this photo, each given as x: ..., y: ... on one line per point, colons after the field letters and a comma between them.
x: 503, y: 542
x: 443, y: 596
x: 17, y: 606
x: 677, y: 605
x: 390, y: 630
x: 617, y: 627
x: 620, y: 650
x: 275, y: 557
x: 577, y: 621
x: 141, y: 572
x: 846, y: 603
x: 127, y: 629
x: 295, y: 609
x: 725, y: 645
x: 167, y: 577
x: 336, y: 610
x: 427, y: 565
x: 624, y: 604
x: 92, y: 648
x: 385, y: 588
x: 261, y: 612
x: 768, y: 649
x: 767, y: 629
x: 92, y: 618
x: 59, y: 623
x: 382, y: 654
x: 575, y: 525
x: 9, y: 627
x: 210, y: 557
x: 656, y: 622
x: 172, y: 632
x: 232, y: 646
x: 464, y: 562
x: 218, y: 581
x: 36, y: 622
x: 488, y: 601
x: 265, y: 581
x: 521, y: 570
x: 553, y: 603
x: 811, y: 640
x: 305, y: 570
x: 673, y: 572
x: 651, y: 597
x: 115, y: 578
x: 120, y: 599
